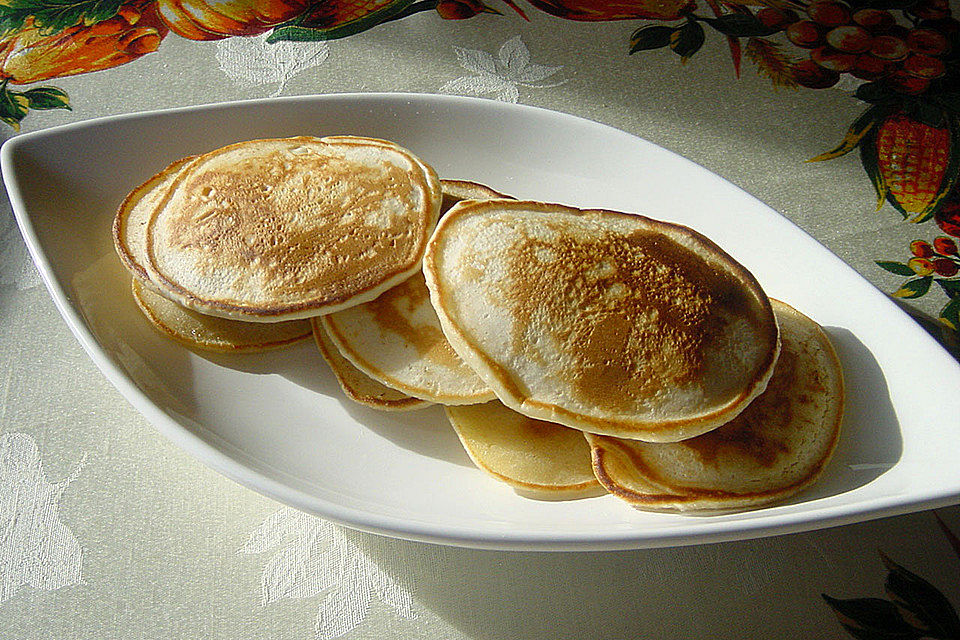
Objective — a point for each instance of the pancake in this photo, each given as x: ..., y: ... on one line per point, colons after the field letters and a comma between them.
x: 456, y: 190
x: 130, y: 222
x: 215, y: 334
x: 775, y: 448
x: 397, y: 340
x: 278, y: 229
x: 358, y: 386
x: 607, y: 322
x: 538, y: 459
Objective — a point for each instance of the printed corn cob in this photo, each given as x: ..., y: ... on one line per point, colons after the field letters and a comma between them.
x: 913, y: 164
x: 913, y: 159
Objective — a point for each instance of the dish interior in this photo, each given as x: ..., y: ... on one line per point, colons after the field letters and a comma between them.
x: 279, y: 423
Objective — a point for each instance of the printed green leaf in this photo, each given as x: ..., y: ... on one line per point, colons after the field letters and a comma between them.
x: 950, y: 314
x: 305, y: 28
x: 687, y: 40
x: 950, y: 535
x: 871, y: 619
x: 653, y: 37
x: 914, y: 288
x: 51, y: 16
x: 420, y: 6
x: 47, y: 98
x: 950, y: 287
x: 929, y: 114
x: 874, y: 93
x: 895, y: 267
x: 740, y: 25
x: 13, y: 107
x: 920, y: 603
x: 949, y: 100
x: 855, y: 134
x: 868, y: 158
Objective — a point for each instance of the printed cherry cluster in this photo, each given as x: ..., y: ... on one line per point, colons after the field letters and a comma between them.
x: 868, y: 43
x: 941, y: 257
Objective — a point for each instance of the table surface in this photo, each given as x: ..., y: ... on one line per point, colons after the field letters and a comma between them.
x: 108, y: 530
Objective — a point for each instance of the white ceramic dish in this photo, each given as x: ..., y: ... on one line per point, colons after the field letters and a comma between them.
x: 280, y: 425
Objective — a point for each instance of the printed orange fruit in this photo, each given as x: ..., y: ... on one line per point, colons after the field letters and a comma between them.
x: 31, y: 54
x: 217, y: 19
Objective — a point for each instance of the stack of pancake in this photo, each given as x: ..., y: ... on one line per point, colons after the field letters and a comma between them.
x: 575, y: 351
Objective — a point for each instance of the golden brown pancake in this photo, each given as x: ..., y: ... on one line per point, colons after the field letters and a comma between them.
x: 130, y: 222
x: 776, y: 447
x: 456, y: 190
x: 599, y: 320
x: 358, y: 386
x: 215, y: 334
x: 538, y: 459
x: 277, y: 229
x: 396, y: 339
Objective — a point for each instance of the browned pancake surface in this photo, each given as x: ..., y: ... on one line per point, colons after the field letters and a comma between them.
x: 775, y: 447
x: 271, y: 229
x: 604, y: 321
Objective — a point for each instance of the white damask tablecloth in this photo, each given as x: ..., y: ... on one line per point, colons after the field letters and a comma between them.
x: 109, y: 531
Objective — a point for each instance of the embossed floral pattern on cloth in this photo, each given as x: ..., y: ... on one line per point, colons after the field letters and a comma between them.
x: 313, y: 557
x: 37, y: 549
x: 142, y: 541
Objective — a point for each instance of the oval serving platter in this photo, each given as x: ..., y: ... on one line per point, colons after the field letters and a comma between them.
x: 279, y: 424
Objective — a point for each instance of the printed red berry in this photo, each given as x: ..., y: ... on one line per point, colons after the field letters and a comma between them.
x: 947, y: 26
x: 921, y: 266
x: 806, y: 34
x: 908, y: 84
x: 775, y: 18
x: 923, y: 66
x: 921, y: 249
x: 945, y: 267
x: 809, y: 74
x: 889, y: 48
x: 829, y: 14
x: 931, y: 9
x: 945, y: 246
x: 875, y: 20
x: 849, y: 39
x: 868, y: 67
x: 948, y: 216
x: 928, y: 42
x: 830, y: 58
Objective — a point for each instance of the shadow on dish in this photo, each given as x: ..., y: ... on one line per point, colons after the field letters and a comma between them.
x: 103, y: 298
x: 870, y: 440
x: 423, y: 431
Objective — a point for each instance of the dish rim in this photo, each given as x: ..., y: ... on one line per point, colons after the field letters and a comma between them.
x: 233, y: 467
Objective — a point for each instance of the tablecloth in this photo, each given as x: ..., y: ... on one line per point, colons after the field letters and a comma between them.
x: 107, y: 530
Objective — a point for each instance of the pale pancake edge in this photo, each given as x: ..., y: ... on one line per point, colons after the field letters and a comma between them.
x: 538, y: 459
x: 396, y: 339
x: 130, y: 221
x: 211, y: 333
x: 358, y: 386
